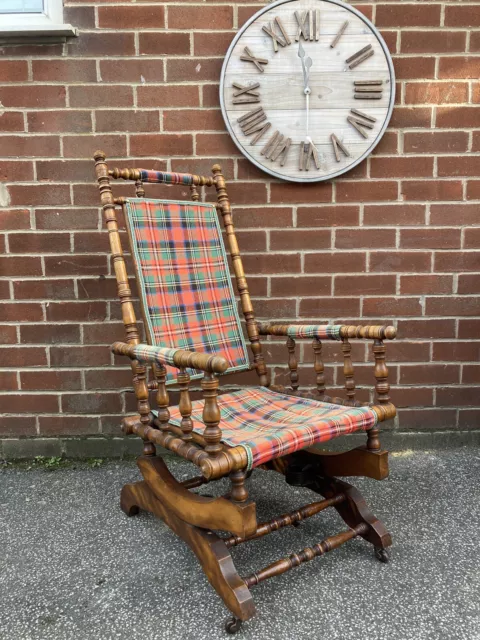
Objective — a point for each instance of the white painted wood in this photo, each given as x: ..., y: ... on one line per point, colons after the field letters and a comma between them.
x: 331, y: 82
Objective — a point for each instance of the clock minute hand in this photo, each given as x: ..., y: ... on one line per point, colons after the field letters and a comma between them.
x: 308, y: 61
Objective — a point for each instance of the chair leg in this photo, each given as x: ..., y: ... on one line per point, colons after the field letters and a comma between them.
x: 210, y: 550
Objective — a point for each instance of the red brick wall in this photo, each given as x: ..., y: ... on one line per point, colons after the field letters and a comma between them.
x: 396, y: 239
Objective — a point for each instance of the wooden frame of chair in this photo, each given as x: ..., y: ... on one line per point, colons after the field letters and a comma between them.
x: 193, y: 517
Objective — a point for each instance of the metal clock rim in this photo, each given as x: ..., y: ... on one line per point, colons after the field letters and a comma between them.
x: 233, y: 136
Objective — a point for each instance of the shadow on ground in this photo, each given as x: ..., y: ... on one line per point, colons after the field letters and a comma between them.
x: 74, y: 567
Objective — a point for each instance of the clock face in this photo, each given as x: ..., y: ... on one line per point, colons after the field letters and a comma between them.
x: 307, y: 89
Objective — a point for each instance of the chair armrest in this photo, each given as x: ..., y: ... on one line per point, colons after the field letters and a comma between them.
x: 327, y: 331
x: 174, y: 357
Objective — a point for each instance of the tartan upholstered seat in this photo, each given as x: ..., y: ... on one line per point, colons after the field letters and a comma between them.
x: 271, y: 425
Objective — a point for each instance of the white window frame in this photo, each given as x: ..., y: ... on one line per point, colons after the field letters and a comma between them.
x: 48, y: 23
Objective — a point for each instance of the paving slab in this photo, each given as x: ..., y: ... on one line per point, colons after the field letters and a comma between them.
x: 74, y: 567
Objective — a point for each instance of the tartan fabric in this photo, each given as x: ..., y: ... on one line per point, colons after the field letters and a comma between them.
x: 325, y: 331
x: 166, y: 178
x: 184, y: 280
x: 160, y: 355
x: 270, y: 425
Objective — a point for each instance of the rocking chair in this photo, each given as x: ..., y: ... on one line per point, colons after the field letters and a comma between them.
x: 194, y: 332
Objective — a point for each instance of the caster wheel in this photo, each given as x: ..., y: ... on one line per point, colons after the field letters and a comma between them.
x: 232, y: 625
x: 382, y: 554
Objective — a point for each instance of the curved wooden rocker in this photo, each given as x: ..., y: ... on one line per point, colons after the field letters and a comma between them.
x: 194, y: 333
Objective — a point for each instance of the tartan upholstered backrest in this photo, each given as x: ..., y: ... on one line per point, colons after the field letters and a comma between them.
x: 184, y: 279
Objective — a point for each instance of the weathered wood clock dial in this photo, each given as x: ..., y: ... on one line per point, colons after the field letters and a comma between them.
x: 307, y: 89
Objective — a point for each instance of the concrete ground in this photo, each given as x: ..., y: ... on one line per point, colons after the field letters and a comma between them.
x: 74, y: 567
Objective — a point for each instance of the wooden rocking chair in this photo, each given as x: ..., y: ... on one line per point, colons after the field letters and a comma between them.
x: 193, y: 331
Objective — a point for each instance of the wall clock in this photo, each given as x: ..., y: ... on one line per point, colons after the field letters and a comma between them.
x: 307, y: 89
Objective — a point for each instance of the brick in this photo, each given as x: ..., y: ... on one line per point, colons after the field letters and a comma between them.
x: 212, y: 43
x: 329, y: 307
x: 50, y: 334
x: 193, y: 120
x: 426, y: 284
x: 300, y: 194
x: 457, y: 396
x: 475, y: 41
x: 457, y: 261
x: 444, y: 41
x: 90, y: 311
x: 432, y: 190
x: 75, y: 265
x: 401, y: 261
x: 436, y: 92
x: 120, y: 17
x: 328, y: 216
x: 69, y: 71
x: 12, y: 266
x: 275, y: 308
x: 364, y: 238
x: 193, y: 69
x: 217, y: 17
x: 91, y: 403
x: 4, y: 290
x: 299, y: 239
x: 462, y: 16
x: 428, y: 419
x: 471, y: 374
x: 452, y: 306
x: 407, y: 15
x: 301, y: 286
x: 62, y: 425
x: 211, y: 144
x: 340, y: 262
x: 364, y: 285
x: 30, y: 403
x: 132, y: 70
x: 93, y: 44
x: 76, y: 356
x: 456, y: 351
x: 458, y: 67
x: 23, y: 357
x: 402, y: 351
x: 67, y: 219
x: 81, y: 17
x: 407, y: 117
x: 412, y: 68
x: 252, y: 240
x: 140, y: 121
x: 162, y: 144
x: 101, y: 96
x: 81, y: 146
x: 102, y: 333
x: 270, y: 217
x: 472, y: 238
x: 17, y: 146
x: 459, y: 166
x: 203, y: 166
x: 17, y: 426
x: 394, y: 214
x: 431, y: 328
x: 430, y: 374
x: 21, y: 312
x: 385, y: 306
x: 64, y: 170
x: 395, y: 167
x: 11, y: 171
x: 43, y: 289
x: 453, y: 117
x: 59, y: 122
x: 40, y: 194
x: 50, y: 380
x: 13, y: 71
x: 273, y: 263
x: 435, y: 142
x: 210, y: 95
x: 34, y: 243
x: 476, y: 141
x: 33, y: 96
x: 92, y: 242
x: 12, y: 121
x: 158, y: 44
x: 371, y: 190
x: 468, y: 283
x: 449, y: 214
x: 428, y: 238
x: 473, y: 190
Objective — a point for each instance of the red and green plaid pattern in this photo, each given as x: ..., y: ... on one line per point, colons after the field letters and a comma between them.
x: 322, y: 331
x: 165, y: 177
x: 271, y: 425
x: 184, y: 280
x: 160, y: 355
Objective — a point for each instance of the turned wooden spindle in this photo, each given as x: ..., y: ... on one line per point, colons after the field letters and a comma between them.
x: 194, y: 193
x: 307, y: 554
x: 211, y: 415
x: 185, y: 405
x: 382, y: 389
x: 143, y: 405
x: 348, y: 370
x: 241, y: 282
x: 162, y: 398
x: 238, y: 492
x: 292, y: 363
x: 319, y: 367
x: 139, y: 189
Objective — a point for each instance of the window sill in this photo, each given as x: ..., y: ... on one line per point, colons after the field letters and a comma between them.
x: 27, y: 33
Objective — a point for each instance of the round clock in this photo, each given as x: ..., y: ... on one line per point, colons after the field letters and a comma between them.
x: 307, y: 89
